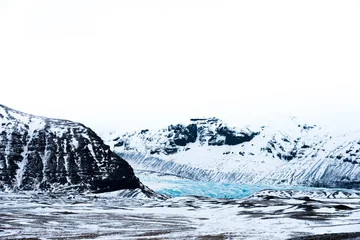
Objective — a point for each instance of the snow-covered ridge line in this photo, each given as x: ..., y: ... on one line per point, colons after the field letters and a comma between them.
x: 285, y: 152
x: 14, y: 114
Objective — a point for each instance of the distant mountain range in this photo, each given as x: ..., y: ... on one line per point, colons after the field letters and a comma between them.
x: 287, y: 152
x: 38, y: 153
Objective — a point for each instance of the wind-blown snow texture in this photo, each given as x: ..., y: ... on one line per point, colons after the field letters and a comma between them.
x: 266, y: 215
x: 43, y: 153
x: 286, y: 152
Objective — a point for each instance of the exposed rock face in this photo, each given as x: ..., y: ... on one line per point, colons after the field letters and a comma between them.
x: 176, y: 138
x: 44, y: 153
x: 234, y: 138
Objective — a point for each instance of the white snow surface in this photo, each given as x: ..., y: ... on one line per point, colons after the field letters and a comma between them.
x: 287, y: 151
x: 109, y: 216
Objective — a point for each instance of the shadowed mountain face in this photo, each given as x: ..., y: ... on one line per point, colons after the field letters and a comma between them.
x: 43, y: 153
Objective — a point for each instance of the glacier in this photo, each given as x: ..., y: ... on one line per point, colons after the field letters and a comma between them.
x: 179, y: 187
x: 173, y: 186
x: 284, y: 152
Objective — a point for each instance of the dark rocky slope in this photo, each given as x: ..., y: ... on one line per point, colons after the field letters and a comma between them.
x: 38, y: 153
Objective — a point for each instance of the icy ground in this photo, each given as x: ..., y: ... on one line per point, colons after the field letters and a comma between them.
x: 178, y: 187
x: 268, y: 214
x: 174, y: 186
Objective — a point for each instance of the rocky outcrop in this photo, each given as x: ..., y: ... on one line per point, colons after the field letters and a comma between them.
x: 232, y: 137
x: 182, y: 135
x: 47, y: 154
x: 177, y: 138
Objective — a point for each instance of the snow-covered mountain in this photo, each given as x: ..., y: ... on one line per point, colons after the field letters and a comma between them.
x: 43, y: 153
x: 284, y: 152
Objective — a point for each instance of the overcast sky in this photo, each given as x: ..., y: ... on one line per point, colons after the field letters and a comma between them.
x: 134, y: 64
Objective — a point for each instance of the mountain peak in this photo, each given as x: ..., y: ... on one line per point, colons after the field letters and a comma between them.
x: 45, y: 153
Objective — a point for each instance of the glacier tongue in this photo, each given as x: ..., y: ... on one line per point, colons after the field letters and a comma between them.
x: 174, y: 186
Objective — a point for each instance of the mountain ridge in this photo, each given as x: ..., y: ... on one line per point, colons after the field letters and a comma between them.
x: 287, y: 152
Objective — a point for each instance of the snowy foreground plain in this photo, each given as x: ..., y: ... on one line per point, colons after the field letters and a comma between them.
x: 267, y: 214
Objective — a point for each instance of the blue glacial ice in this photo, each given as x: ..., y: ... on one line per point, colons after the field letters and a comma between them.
x: 178, y: 187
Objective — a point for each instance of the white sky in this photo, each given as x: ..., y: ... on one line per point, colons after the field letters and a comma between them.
x: 142, y: 64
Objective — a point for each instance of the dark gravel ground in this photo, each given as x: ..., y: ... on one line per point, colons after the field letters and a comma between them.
x: 333, y: 236
x: 32, y: 217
